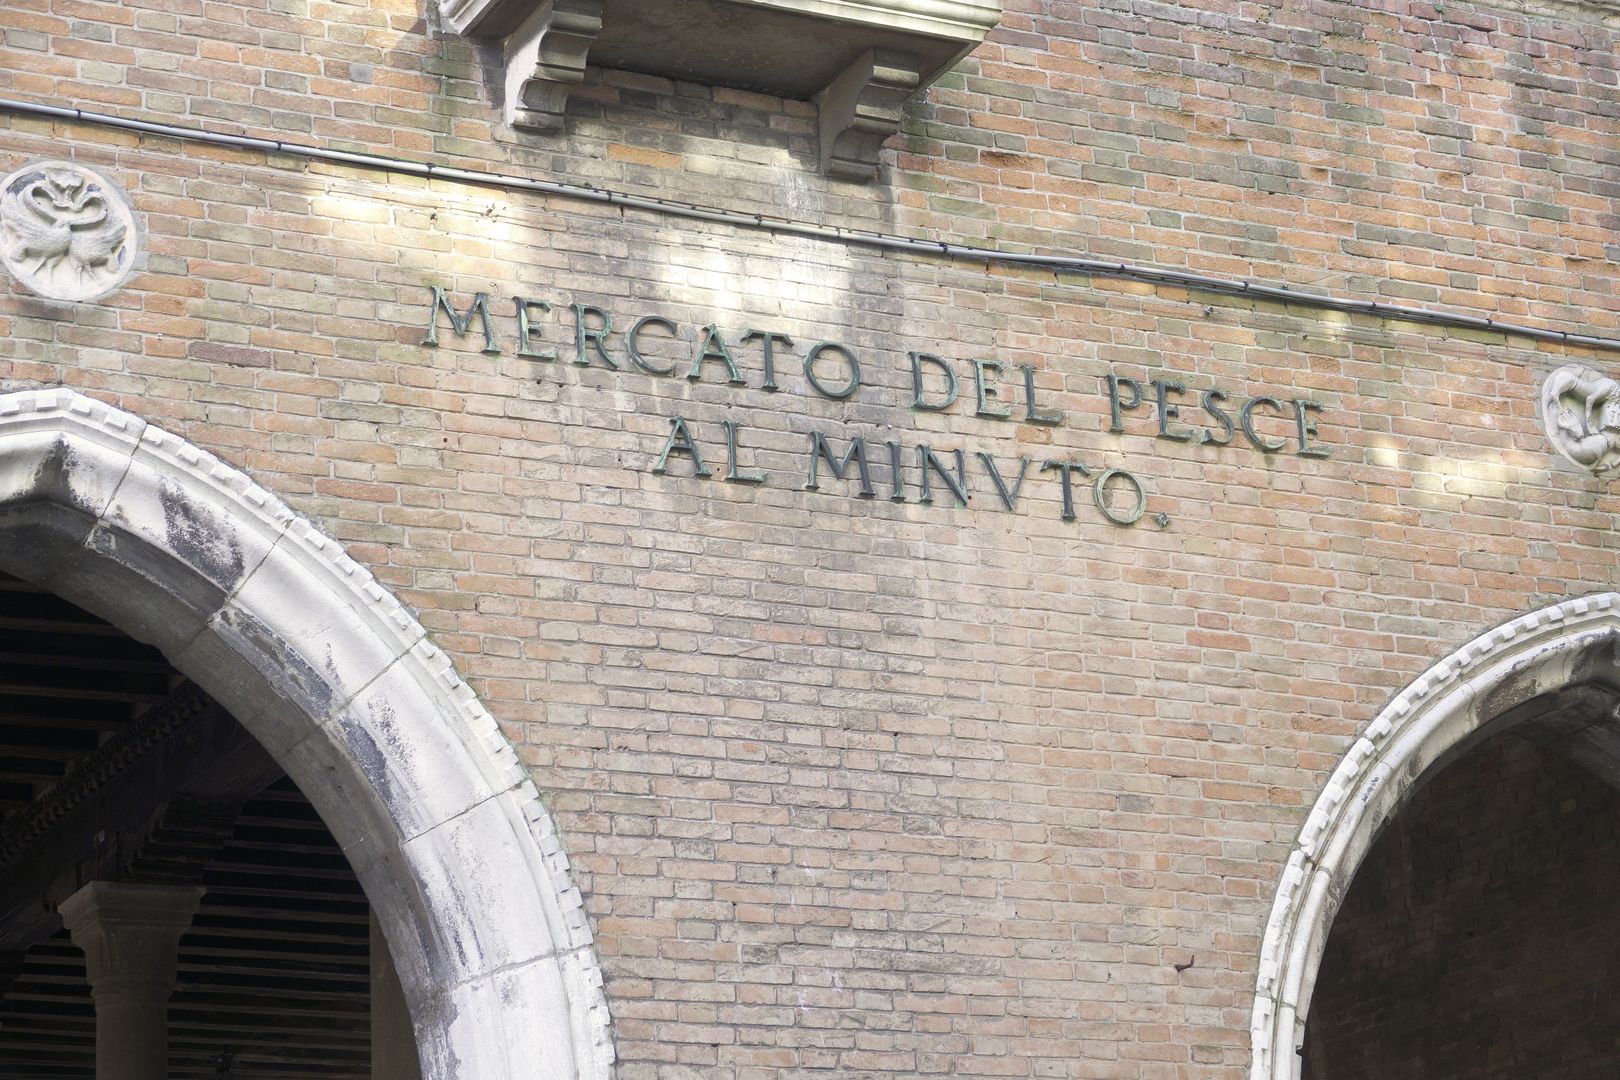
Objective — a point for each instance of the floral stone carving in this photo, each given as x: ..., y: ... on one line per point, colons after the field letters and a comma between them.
x: 65, y: 231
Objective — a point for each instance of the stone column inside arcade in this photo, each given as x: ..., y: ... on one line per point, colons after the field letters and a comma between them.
x: 222, y: 934
x: 130, y: 935
x: 393, y: 1040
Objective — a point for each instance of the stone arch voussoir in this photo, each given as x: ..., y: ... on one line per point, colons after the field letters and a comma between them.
x: 1436, y: 717
x: 445, y: 830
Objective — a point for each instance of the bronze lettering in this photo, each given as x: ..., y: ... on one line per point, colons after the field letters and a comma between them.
x: 846, y: 391
x: 1065, y: 471
x: 595, y: 335
x: 1246, y: 419
x: 1099, y: 495
x: 1163, y: 389
x: 768, y: 340
x: 897, y: 475
x: 1116, y: 404
x: 1031, y: 413
x: 1211, y: 401
x: 632, y: 343
x: 712, y: 347
x: 461, y: 323
x: 733, y: 474
x: 983, y: 372
x: 821, y: 450
x: 928, y: 461
x: 681, y: 442
x: 918, y: 359
x: 1009, y: 496
x: 525, y: 329
x: 1307, y: 428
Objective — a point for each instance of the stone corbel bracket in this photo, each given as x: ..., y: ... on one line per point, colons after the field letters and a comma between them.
x: 544, y: 46
x: 862, y: 108
x: 545, y: 59
x: 861, y: 61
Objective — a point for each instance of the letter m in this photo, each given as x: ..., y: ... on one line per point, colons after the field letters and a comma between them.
x: 821, y: 450
x: 460, y: 323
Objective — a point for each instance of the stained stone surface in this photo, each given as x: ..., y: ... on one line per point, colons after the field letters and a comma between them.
x: 66, y: 232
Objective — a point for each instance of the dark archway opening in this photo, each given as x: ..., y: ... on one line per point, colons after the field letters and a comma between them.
x: 1478, y: 939
x: 114, y: 767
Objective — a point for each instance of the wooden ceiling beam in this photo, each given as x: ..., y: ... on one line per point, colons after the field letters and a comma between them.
x: 53, y: 714
x: 133, y: 696
x: 92, y: 824
x: 276, y: 968
x: 88, y: 626
x: 134, y: 665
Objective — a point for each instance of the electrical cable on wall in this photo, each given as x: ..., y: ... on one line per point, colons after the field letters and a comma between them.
x: 833, y: 234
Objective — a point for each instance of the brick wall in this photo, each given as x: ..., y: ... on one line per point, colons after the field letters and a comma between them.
x: 1479, y: 936
x: 856, y: 786
x: 1459, y: 153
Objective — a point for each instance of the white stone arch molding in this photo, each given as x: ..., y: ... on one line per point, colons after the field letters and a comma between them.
x: 444, y: 828
x: 1436, y: 718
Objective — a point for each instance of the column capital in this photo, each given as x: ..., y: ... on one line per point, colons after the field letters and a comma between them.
x: 129, y: 935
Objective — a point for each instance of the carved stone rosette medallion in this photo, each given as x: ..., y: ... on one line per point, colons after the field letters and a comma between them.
x: 65, y: 231
x: 1580, y: 410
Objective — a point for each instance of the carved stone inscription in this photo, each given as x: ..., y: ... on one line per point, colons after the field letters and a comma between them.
x: 65, y: 232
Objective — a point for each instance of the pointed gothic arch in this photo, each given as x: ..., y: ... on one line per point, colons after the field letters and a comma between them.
x: 1490, y: 684
x: 339, y: 682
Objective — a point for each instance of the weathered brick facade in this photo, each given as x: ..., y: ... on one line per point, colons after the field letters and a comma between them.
x: 860, y: 786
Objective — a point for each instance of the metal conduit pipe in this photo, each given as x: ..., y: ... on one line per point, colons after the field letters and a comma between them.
x: 829, y: 233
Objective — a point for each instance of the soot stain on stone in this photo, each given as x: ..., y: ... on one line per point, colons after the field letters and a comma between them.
x: 1519, y: 687
x: 373, y: 762
x: 290, y: 674
x: 198, y: 538
x: 54, y: 476
x: 369, y: 746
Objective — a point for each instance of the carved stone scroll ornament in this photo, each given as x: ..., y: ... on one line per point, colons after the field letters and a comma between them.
x: 862, y: 108
x: 1580, y: 410
x: 65, y: 232
x: 545, y: 59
